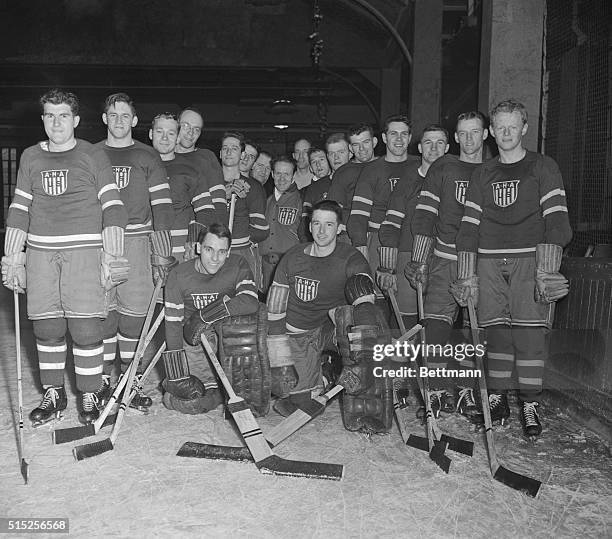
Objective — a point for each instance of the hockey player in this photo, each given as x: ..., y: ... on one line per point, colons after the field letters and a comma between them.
x: 68, y: 210
x: 198, y: 294
x: 309, y: 281
x: 191, y: 198
x: 362, y: 143
x: 395, y: 236
x: 250, y: 154
x: 145, y: 192
x: 434, y: 256
x: 509, y: 249
x: 190, y: 128
x: 283, y: 213
x: 250, y: 225
x: 303, y: 173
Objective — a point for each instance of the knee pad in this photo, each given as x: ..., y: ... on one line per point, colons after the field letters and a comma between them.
x: 110, y: 325
x: 50, y: 330
x: 85, y: 331
x: 131, y: 326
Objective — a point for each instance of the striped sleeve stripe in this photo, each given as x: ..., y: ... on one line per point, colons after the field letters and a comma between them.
x: 257, y: 215
x: 374, y: 225
x: 148, y: 224
x: 217, y: 187
x: 87, y: 352
x: 45, y: 348
x: 550, y: 194
x: 261, y: 227
x: 430, y: 195
x: 470, y: 204
x: 246, y: 282
x: 426, y: 207
x: 161, y: 201
x: 159, y: 187
x: 360, y: 212
x: 64, y: 239
x: 362, y: 199
x: 399, y: 214
x: 219, y: 200
x: 169, y: 318
x: 471, y: 220
x: 108, y: 187
x: 170, y: 305
x: 21, y: 193
x: 249, y: 292
x: 554, y: 209
x: 391, y: 223
x: 111, y: 203
x: 16, y: 206
x: 201, y: 195
x: 276, y: 316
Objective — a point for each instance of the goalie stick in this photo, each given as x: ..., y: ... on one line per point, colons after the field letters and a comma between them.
x: 97, y: 448
x: 25, y: 470
x: 509, y: 478
x: 454, y: 444
x: 265, y: 459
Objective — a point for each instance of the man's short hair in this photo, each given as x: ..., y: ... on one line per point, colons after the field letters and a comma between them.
x: 300, y: 140
x: 267, y: 154
x: 472, y: 115
x: 119, y: 97
x: 329, y: 205
x: 56, y: 96
x: 357, y: 129
x: 234, y: 134
x: 334, y: 138
x: 435, y: 127
x: 316, y: 149
x: 283, y: 159
x: 218, y: 229
x: 396, y: 118
x: 252, y: 143
x: 164, y: 116
x: 509, y: 105
x: 191, y: 109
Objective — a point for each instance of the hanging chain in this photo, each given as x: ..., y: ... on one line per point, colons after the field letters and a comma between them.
x: 316, y: 51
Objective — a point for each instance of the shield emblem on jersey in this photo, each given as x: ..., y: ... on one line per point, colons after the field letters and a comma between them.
x: 460, y: 190
x: 393, y: 183
x: 505, y: 193
x: 122, y: 176
x: 54, y: 182
x: 306, y: 289
x: 286, y: 216
x: 202, y: 300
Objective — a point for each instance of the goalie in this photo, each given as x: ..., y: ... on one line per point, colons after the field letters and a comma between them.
x: 213, y: 294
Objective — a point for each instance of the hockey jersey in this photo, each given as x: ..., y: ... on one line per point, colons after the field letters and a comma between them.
x: 283, y: 216
x: 313, y: 193
x: 343, y: 188
x: 64, y: 199
x: 250, y: 223
x: 511, y: 207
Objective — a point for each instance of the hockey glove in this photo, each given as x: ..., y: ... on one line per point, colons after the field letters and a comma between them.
x: 550, y: 285
x: 204, y: 319
x: 385, y: 274
x: 192, y: 244
x: 114, y: 270
x: 417, y: 271
x: 466, y: 285
x: 238, y: 187
x: 14, y: 272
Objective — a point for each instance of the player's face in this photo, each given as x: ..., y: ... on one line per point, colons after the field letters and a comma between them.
x: 190, y: 124
x: 119, y: 120
x: 470, y: 135
x: 248, y: 158
x: 397, y: 138
x: 433, y: 145
x: 213, y: 253
x: 231, y: 152
x: 261, y: 168
x: 59, y: 123
x: 319, y: 164
x: 363, y: 146
x: 163, y: 135
x: 508, y: 130
x: 300, y: 153
x: 283, y: 176
x: 338, y: 154
x: 324, y: 227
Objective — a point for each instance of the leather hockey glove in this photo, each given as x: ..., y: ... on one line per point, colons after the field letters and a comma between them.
x: 466, y: 285
x: 386, y: 279
x: 179, y: 382
x: 193, y: 236
x: 202, y: 320
x: 114, y: 267
x: 13, y: 262
x: 162, y: 260
x: 238, y: 187
x: 550, y: 285
x: 417, y: 270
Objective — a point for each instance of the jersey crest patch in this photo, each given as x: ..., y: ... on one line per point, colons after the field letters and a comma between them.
x: 505, y: 193
x: 54, y: 182
x: 202, y: 300
x: 306, y: 289
x: 287, y: 215
x: 122, y: 176
x: 392, y: 183
x: 460, y: 190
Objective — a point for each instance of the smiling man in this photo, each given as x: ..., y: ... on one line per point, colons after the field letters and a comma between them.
x: 309, y: 281
x: 199, y: 293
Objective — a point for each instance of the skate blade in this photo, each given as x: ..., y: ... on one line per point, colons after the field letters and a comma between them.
x: 58, y: 417
x: 144, y: 410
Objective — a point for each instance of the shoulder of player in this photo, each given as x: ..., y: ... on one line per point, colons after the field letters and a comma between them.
x: 543, y: 161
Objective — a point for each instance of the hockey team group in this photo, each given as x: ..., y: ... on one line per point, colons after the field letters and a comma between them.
x: 291, y: 268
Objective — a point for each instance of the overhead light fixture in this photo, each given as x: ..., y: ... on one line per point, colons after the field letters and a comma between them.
x: 281, y: 126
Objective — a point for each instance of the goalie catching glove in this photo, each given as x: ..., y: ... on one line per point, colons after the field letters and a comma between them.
x: 550, y: 285
x: 203, y: 319
x: 162, y: 260
x: 114, y: 267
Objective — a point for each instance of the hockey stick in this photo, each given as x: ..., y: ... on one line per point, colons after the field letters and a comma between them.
x: 231, y: 213
x: 25, y: 470
x: 454, y: 444
x: 97, y: 448
x: 264, y: 457
x: 514, y: 480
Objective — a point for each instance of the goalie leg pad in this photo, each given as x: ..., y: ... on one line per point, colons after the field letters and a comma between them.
x: 372, y: 412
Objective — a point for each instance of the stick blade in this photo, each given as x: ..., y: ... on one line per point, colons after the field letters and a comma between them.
x: 94, y: 449
x: 517, y: 481
x: 315, y: 470
x: 25, y: 471
x: 291, y: 424
x: 418, y: 442
x: 215, y: 452
x: 458, y: 445
x: 437, y: 454
x: 62, y: 436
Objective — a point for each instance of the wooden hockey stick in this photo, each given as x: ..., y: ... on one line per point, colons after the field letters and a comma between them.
x: 454, y: 444
x: 514, y: 480
x: 230, y: 222
x: 264, y: 457
x: 25, y: 470
x: 97, y: 448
